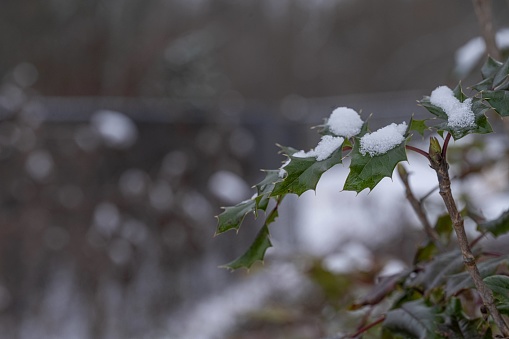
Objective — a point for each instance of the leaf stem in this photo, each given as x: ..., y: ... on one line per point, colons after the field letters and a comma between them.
x: 417, y: 150
x: 445, y: 145
x: 441, y: 167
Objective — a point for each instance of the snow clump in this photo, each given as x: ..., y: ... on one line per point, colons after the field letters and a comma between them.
x: 383, y: 140
x: 327, y: 145
x: 345, y: 122
x: 459, y: 114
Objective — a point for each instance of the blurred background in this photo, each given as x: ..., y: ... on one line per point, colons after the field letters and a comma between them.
x: 125, y: 125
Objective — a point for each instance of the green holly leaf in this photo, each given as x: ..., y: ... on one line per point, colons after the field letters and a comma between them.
x: 436, y: 111
x: 264, y: 189
x: 459, y: 94
x: 414, y: 319
x: 498, y: 226
x: 457, y: 325
x: 501, y: 77
x: 498, y: 100
x: 499, y: 284
x: 418, y: 125
x: 256, y: 252
x: 437, y: 270
x: 490, y: 68
x: 303, y: 174
x: 482, y: 126
x: 367, y: 171
x: 233, y: 216
x: 461, y: 281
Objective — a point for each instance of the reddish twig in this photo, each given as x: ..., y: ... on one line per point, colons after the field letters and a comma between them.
x: 367, y: 327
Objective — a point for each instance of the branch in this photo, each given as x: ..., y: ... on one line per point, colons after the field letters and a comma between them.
x: 367, y: 327
x: 418, y: 208
x: 441, y: 167
x: 484, y: 17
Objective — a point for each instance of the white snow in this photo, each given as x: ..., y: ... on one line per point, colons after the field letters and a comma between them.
x: 282, y: 171
x: 327, y: 145
x: 459, y: 114
x: 383, y: 140
x: 345, y: 122
x: 468, y: 55
x: 228, y: 186
x: 116, y: 129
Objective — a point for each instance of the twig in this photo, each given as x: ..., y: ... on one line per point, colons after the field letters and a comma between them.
x: 484, y: 17
x: 441, y: 167
x: 418, y: 208
x: 367, y: 327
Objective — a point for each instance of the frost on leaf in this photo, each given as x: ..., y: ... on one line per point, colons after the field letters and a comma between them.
x: 302, y: 174
x: 383, y: 140
x: 367, y: 171
x: 462, y: 115
x: 345, y: 122
x: 327, y: 145
x: 459, y: 114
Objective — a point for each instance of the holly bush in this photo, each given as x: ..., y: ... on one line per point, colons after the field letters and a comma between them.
x: 435, y: 297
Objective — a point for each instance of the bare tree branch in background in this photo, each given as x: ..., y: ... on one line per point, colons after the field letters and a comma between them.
x: 484, y: 16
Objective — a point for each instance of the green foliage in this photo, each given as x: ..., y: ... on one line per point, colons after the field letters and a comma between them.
x: 432, y: 299
x: 303, y: 173
x: 367, y: 171
x: 498, y: 226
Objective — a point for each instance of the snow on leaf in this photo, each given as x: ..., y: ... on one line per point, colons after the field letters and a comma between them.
x: 480, y: 126
x: 233, y: 216
x: 303, y: 173
x: 413, y: 318
x: 459, y: 113
x: 345, y: 122
x: 383, y: 140
x: 367, y: 171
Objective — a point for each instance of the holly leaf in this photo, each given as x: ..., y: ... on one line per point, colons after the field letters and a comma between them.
x: 498, y: 100
x: 498, y: 226
x: 499, y: 284
x: 414, y: 319
x: 233, y: 216
x: 436, y: 271
x: 490, y: 68
x: 256, y: 252
x: 303, y: 174
x: 461, y: 281
x: 418, y: 125
x: 501, y: 77
x: 264, y: 189
x: 436, y: 111
x: 367, y: 171
x: 482, y: 126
